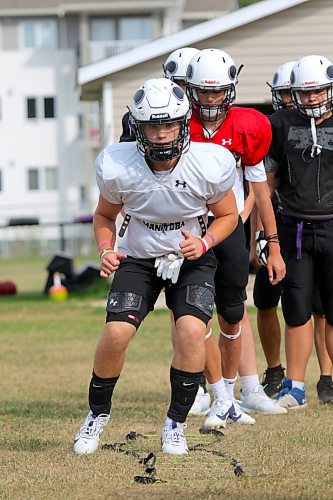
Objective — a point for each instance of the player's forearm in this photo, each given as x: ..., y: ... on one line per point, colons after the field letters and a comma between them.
x: 265, y: 208
x: 221, y: 228
x: 248, y: 206
x: 104, y: 231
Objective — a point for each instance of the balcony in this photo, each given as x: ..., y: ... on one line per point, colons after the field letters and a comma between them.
x: 101, y: 50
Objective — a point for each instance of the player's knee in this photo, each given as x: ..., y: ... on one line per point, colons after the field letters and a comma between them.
x: 117, y: 335
x: 232, y: 314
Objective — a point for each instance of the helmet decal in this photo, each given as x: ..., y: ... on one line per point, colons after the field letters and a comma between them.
x: 189, y: 72
x: 329, y: 72
x: 138, y: 96
x: 232, y: 72
x: 171, y: 67
x: 178, y: 93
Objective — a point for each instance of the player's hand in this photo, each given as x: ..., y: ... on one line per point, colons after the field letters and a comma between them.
x: 276, y: 267
x: 168, y: 266
x: 191, y: 246
x: 110, y: 263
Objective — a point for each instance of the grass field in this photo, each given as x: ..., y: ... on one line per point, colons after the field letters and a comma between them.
x: 45, y: 366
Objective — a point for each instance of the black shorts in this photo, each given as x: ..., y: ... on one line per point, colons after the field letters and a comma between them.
x: 314, y: 267
x: 265, y: 295
x: 135, y: 289
x: 232, y: 272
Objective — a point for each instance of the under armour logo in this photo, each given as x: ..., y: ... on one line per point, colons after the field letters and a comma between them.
x: 179, y: 183
x: 113, y: 302
x: 226, y: 141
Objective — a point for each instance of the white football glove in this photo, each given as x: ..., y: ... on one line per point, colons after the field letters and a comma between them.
x: 261, y: 247
x: 168, y: 266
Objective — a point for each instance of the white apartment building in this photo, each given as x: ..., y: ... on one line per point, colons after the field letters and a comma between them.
x: 49, y: 138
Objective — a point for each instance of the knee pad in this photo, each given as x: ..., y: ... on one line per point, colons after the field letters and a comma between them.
x: 295, y: 316
x: 232, y: 314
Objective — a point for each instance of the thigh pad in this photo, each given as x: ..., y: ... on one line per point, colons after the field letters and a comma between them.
x: 201, y: 298
x: 123, y: 301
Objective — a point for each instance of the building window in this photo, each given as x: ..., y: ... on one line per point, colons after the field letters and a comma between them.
x: 33, y: 179
x: 112, y: 36
x: 34, y: 107
x: 49, y: 111
x: 102, y: 30
x: 31, y: 107
x: 136, y: 28
x: 51, y: 178
x: 39, y: 34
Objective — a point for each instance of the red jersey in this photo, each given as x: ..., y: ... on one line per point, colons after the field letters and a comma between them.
x: 244, y: 131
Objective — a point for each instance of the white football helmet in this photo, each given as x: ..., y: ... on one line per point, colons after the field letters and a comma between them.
x: 211, y: 69
x: 175, y: 66
x: 281, y: 81
x: 312, y: 73
x: 159, y: 101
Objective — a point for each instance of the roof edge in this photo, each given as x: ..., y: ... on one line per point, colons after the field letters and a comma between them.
x: 183, y: 38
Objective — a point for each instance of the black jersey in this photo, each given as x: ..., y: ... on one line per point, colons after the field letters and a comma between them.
x: 305, y: 179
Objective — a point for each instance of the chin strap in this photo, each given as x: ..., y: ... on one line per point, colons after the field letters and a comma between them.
x: 315, y: 148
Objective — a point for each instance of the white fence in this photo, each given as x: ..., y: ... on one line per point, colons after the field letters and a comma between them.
x: 46, y: 239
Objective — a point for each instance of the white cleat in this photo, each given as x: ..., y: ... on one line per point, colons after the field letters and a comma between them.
x: 87, y: 439
x: 220, y: 411
x: 257, y: 401
x: 239, y: 417
x: 201, y: 405
x: 173, y: 439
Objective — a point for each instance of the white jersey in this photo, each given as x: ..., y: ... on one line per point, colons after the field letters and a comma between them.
x: 161, y: 206
x: 256, y: 173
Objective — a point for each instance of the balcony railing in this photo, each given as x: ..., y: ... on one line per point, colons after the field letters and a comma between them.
x: 101, y: 50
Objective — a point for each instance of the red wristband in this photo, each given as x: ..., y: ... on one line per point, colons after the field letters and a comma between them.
x: 204, y: 245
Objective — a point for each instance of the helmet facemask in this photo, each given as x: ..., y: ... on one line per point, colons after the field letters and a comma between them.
x: 162, y: 151
x: 314, y: 110
x: 207, y: 112
x: 277, y: 100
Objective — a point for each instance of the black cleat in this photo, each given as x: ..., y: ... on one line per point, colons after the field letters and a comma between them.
x: 272, y: 382
x: 325, y: 390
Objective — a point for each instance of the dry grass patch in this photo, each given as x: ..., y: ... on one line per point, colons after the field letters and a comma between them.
x: 45, y: 366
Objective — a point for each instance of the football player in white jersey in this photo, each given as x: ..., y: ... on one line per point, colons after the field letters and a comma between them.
x: 166, y: 186
x: 175, y: 68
